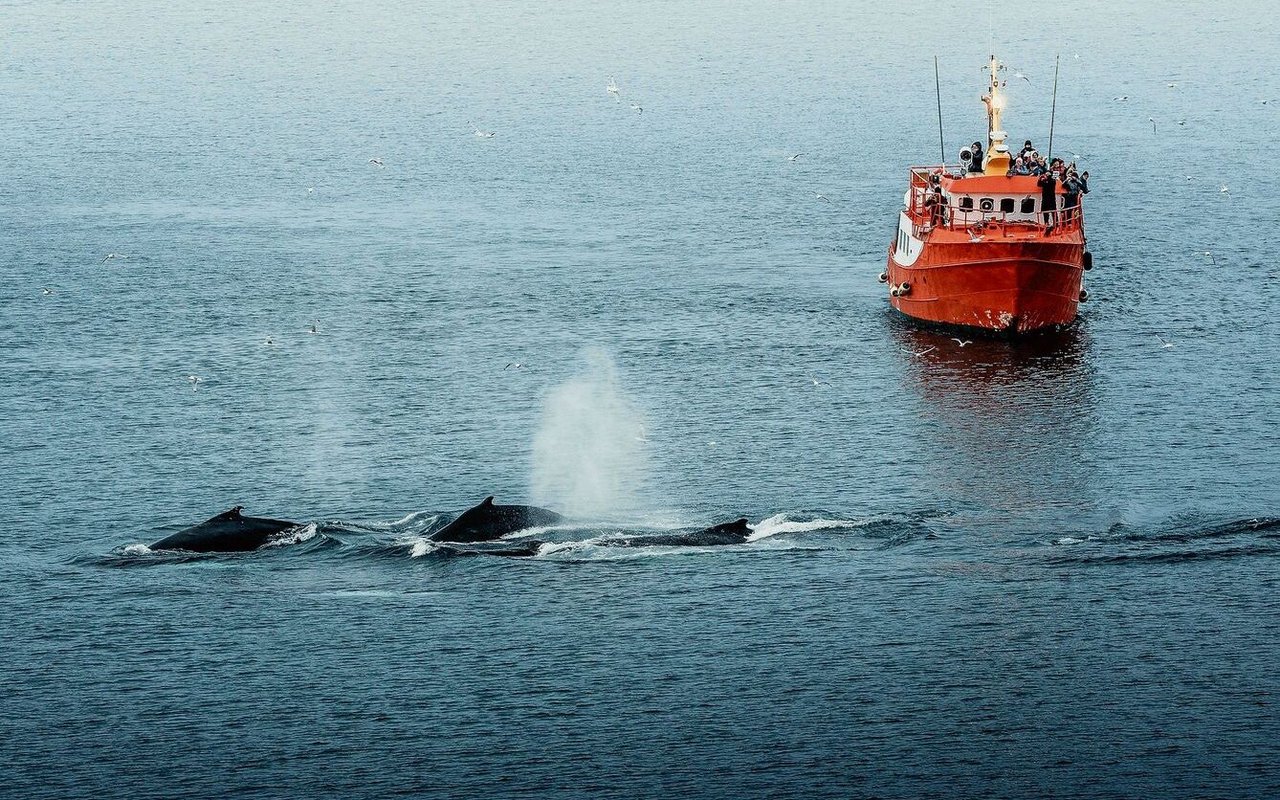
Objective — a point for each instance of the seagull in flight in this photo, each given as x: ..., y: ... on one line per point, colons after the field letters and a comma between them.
x: 822, y: 197
x: 1122, y: 98
x: 514, y: 365
x: 313, y: 328
x: 817, y: 382
x: 195, y: 381
x: 962, y: 342
x: 1211, y: 257
x: 377, y: 162
x: 1018, y: 74
x: 636, y: 108
x: 46, y: 291
x: 110, y: 256
x: 1152, y: 120
x: 1224, y: 189
x: 484, y: 134
x: 1172, y: 85
x: 612, y: 87
x: 269, y: 342
x: 1163, y: 344
x: 795, y: 157
x: 311, y: 190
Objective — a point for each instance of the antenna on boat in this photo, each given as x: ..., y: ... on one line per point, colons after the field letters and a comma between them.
x: 937, y: 85
x: 1053, y: 110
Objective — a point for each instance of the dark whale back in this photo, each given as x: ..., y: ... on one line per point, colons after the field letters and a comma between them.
x: 735, y: 532
x: 228, y: 532
x: 729, y: 532
x: 486, y: 522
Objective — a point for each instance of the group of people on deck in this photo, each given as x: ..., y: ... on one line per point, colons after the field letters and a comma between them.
x: 1048, y: 176
x: 1028, y: 162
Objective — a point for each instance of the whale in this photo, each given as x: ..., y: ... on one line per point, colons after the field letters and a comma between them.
x: 487, y: 521
x: 228, y: 532
x: 725, y: 533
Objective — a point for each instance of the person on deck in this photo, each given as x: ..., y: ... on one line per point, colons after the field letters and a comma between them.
x: 1048, y: 183
x: 976, y: 164
x: 1070, y: 195
x: 934, y: 201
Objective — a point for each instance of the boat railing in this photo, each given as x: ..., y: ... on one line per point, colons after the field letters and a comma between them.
x: 950, y: 216
x: 955, y: 218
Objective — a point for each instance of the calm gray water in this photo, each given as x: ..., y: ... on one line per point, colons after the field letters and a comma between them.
x: 1046, y: 569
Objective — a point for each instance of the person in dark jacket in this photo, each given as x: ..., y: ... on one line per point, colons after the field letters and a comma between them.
x: 1070, y: 195
x: 1048, y: 183
x: 976, y: 164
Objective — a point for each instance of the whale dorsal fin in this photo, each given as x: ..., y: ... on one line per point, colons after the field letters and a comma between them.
x: 741, y: 524
x: 488, y: 501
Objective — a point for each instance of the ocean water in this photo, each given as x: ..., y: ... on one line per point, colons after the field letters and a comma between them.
x: 1005, y: 570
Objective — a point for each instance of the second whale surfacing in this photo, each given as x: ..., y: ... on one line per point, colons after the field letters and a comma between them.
x: 486, y: 522
x: 726, y: 533
x: 228, y: 532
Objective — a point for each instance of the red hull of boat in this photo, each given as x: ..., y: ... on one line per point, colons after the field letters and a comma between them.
x: 1002, y: 287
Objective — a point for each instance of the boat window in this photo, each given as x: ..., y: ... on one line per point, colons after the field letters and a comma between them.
x: 1028, y: 205
x: 966, y: 203
x: 1006, y: 204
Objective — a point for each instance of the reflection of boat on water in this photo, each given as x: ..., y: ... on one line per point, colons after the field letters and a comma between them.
x: 980, y: 249
x: 1009, y: 426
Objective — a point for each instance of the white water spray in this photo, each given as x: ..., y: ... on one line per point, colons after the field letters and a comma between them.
x: 589, y: 452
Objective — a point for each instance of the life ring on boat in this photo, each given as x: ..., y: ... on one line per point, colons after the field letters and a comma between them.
x: 884, y: 277
x: 1088, y: 260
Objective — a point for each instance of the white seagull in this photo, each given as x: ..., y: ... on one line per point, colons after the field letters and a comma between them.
x: 195, y: 381
x: 1163, y: 344
x: 377, y: 162
x: 822, y: 197
x: 514, y: 365
x: 46, y: 291
x: 636, y: 108
x: 918, y: 353
x: 612, y: 87
x: 110, y: 256
x: 1018, y: 74
x: 796, y: 156
x: 1152, y: 120
x: 1211, y: 257
x: 962, y: 342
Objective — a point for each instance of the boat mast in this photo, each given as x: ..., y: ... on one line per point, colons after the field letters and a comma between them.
x: 997, y: 159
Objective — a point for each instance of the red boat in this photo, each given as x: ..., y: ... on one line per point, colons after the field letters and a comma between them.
x: 986, y: 256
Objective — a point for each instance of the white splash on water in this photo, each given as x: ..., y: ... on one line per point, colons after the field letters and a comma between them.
x: 589, y: 452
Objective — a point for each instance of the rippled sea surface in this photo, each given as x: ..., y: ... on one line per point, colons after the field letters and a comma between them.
x: 1045, y: 569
